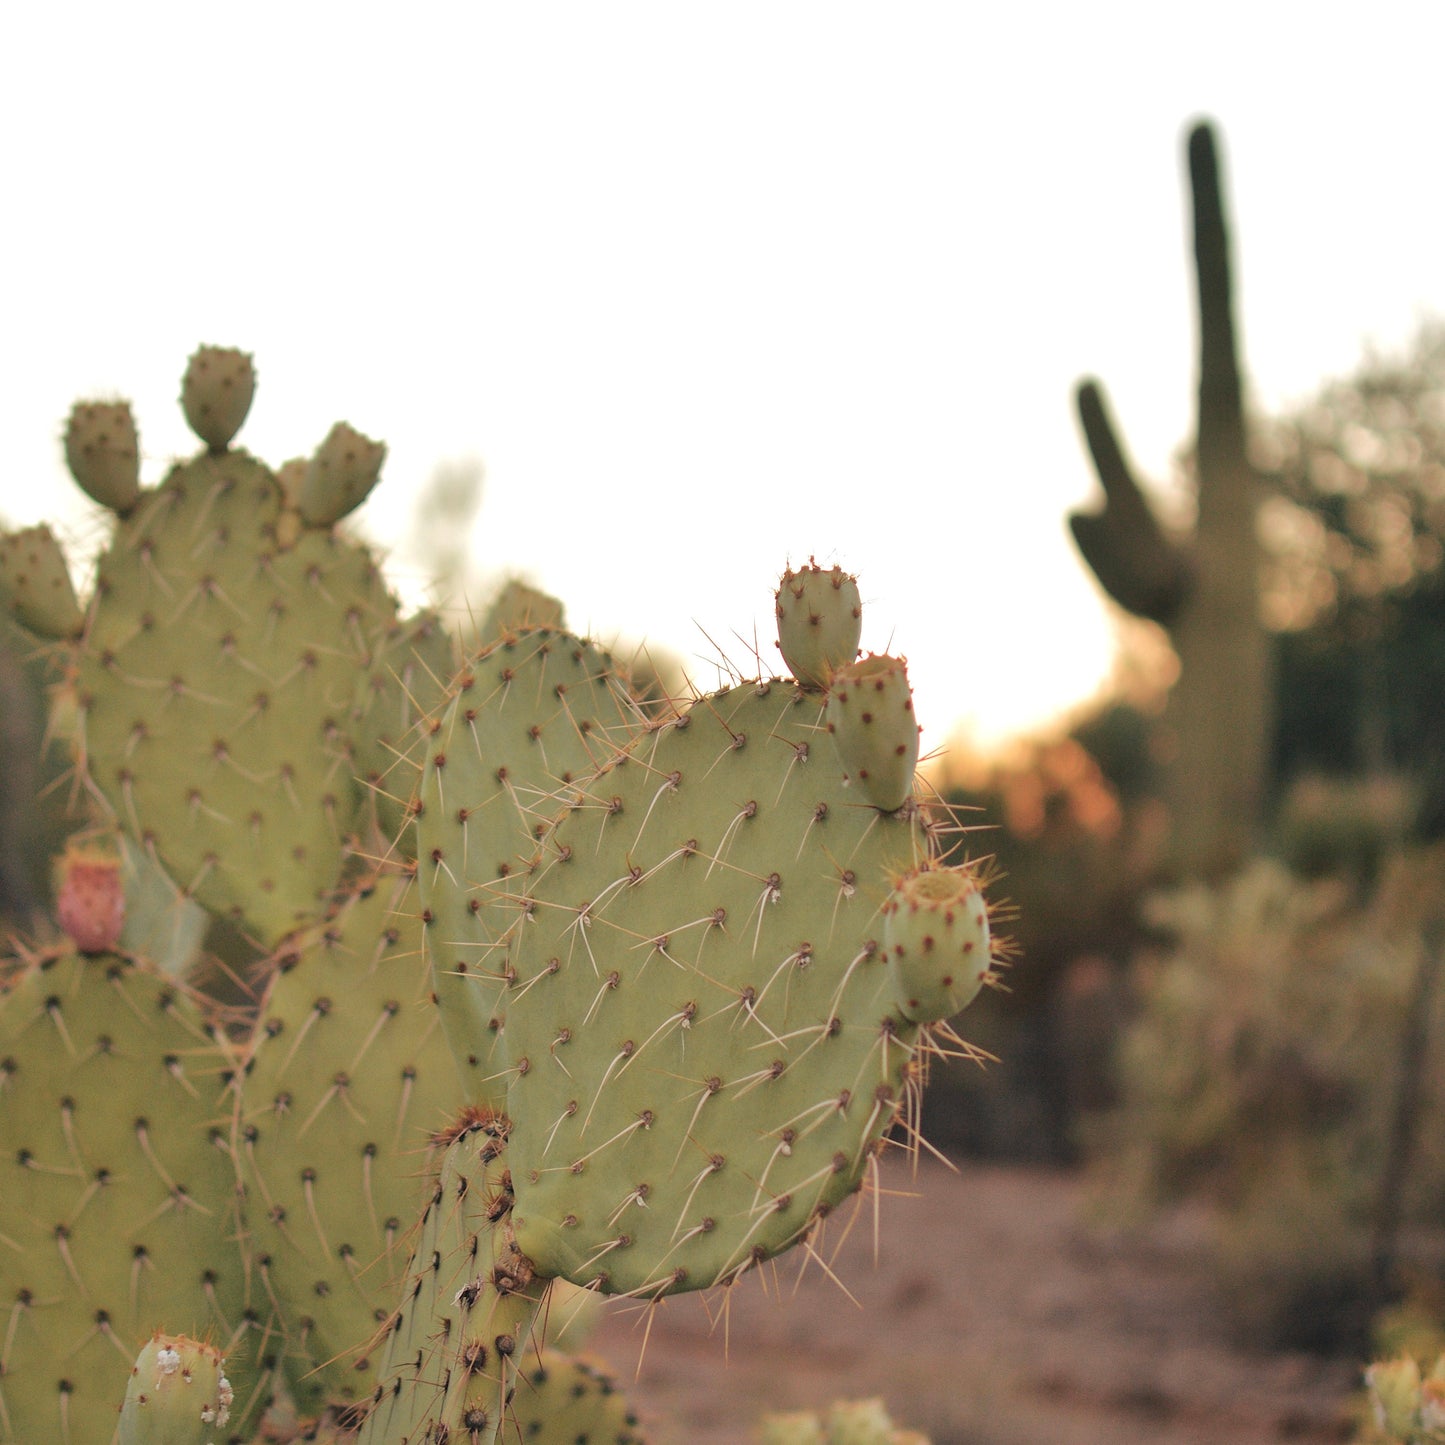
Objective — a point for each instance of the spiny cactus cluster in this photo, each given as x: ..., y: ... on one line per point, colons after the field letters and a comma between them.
x: 535, y: 982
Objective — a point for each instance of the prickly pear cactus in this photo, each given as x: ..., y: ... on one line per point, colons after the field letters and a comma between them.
x: 701, y: 1030
x: 237, y: 656
x: 217, y: 674
x: 117, y: 1189
x: 464, y: 1330
x: 560, y: 1399
x: 178, y: 1394
x: 346, y: 1078
x: 532, y: 713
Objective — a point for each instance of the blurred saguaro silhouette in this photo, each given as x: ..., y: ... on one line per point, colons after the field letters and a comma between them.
x: 1202, y: 588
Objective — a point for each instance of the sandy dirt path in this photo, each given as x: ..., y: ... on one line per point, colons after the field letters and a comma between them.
x: 992, y: 1316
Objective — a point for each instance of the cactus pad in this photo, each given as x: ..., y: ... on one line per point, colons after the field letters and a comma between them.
x: 217, y: 675
x: 709, y: 1048
x: 463, y: 1331
x: 117, y: 1190
x: 533, y: 713
x: 346, y: 1080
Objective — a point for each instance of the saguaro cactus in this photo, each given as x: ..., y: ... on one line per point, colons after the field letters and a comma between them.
x: 1203, y: 589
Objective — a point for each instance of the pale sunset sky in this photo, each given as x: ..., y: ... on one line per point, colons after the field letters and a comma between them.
x: 711, y: 288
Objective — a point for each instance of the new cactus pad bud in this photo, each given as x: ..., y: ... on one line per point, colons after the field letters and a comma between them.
x: 820, y: 619
x: 35, y: 584
x: 90, y: 897
x: 340, y: 476
x: 936, y: 935
x: 103, y: 453
x: 216, y: 394
x: 178, y: 1394
x: 870, y: 718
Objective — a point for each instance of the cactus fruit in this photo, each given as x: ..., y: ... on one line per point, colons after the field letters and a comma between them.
x: 90, y: 896
x: 35, y: 584
x: 936, y: 936
x: 103, y: 453
x: 820, y: 620
x: 463, y: 1331
x: 342, y: 473
x: 216, y: 394
x: 178, y: 1394
x: 699, y: 1026
x: 117, y: 1188
x: 870, y: 717
x: 345, y: 1079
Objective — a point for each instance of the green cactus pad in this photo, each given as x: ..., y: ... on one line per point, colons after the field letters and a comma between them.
x: 562, y: 1399
x: 341, y: 474
x: 532, y: 714
x: 35, y: 584
x: 936, y: 934
x: 709, y: 1047
x: 464, y: 1328
x: 409, y: 678
x: 103, y: 453
x: 519, y: 607
x: 346, y: 1080
x: 870, y: 718
x: 820, y: 619
x: 117, y: 1190
x: 178, y: 1394
x: 217, y: 676
x: 216, y: 394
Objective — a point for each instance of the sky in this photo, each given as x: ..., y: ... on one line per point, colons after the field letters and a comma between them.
x: 711, y: 289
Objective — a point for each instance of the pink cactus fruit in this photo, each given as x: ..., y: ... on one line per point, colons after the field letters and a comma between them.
x: 90, y: 896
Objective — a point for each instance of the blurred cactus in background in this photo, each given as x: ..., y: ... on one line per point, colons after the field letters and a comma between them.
x: 1202, y: 589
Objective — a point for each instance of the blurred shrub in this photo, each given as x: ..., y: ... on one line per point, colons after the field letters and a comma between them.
x: 1078, y: 847
x: 1262, y: 1073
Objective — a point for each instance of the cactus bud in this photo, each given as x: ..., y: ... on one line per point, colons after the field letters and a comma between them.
x: 90, y: 897
x: 339, y: 477
x: 216, y: 394
x: 936, y: 937
x: 103, y: 453
x: 36, y: 585
x: 178, y: 1394
x: 820, y: 619
x: 870, y: 718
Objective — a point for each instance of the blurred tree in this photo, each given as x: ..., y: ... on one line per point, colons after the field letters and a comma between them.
x: 1354, y: 580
